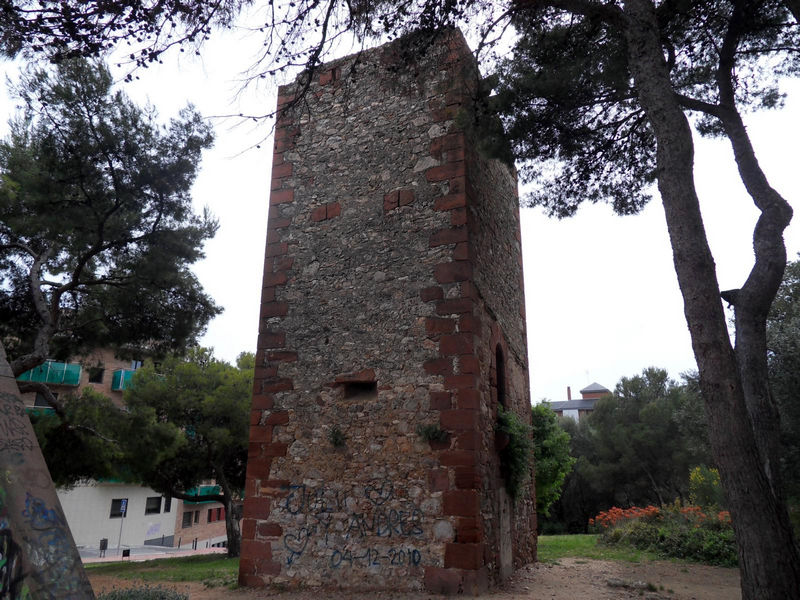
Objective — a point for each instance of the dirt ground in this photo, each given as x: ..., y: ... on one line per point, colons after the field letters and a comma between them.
x: 570, y: 579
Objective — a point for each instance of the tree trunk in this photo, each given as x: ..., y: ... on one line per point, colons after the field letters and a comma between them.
x: 656, y: 489
x: 48, y: 316
x: 752, y: 302
x: 232, y: 527
x: 232, y: 514
x: 768, y: 557
x: 41, y: 560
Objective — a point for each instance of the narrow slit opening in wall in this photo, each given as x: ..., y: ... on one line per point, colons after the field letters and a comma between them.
x: 500, y: 369
x: 360, y: 388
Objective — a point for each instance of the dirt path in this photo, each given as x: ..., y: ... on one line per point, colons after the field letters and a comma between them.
x: 570, y: 579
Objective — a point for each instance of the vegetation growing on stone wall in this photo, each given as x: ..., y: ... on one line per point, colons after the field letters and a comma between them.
x: 432, y: 433
x: 336, y: 437
x: 515, y: 457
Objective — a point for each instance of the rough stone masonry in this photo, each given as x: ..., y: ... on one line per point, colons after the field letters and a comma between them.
x: 391, y: 328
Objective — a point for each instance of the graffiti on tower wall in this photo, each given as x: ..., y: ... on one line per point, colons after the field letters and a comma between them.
x: 372, y: 527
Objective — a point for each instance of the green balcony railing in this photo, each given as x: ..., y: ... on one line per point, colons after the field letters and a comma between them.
x: 121, y: 379
x: 54, y: 372
x: 203, y: 490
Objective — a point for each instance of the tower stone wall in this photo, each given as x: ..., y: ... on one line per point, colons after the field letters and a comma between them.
x: 391, y: 315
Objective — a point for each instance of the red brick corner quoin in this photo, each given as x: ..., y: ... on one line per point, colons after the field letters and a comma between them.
x: 257, y: 533
x: 464, y: 568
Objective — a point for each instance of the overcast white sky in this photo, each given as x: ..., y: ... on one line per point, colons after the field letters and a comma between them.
x: 601, y: 295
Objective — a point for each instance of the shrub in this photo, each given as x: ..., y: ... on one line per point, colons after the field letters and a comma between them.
x: 609, y: 518
x: 705, y: 488
x: 515, y: 458
x: 673, y: 531
x: 145, y: 592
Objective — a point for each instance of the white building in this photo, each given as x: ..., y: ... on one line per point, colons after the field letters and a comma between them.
x: 580, y: 407
x: 94, y: 510
x: 124, y: 514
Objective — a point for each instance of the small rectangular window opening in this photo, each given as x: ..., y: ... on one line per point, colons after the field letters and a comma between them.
x: 360, y: 388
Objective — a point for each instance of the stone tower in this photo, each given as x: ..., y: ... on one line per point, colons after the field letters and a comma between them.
x: 391, y: 327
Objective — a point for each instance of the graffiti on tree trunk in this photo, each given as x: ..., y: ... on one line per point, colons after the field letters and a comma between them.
x: 13, y: 432
x: 12, y: 583
x: 37, y: 556
x: 12, y: 576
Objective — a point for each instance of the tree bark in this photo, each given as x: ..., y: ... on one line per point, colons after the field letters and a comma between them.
x: 40, y: 554
x: 768, y: 557
x: 232, y: 511
x: 752, y: 302
x: 232, y: 516
x: 656, y: 488
x: 48, y: 316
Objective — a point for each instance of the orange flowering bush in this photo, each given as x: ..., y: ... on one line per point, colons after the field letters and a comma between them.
x: 696, y: 517
x: 612, y: 516
x: 672, y: 530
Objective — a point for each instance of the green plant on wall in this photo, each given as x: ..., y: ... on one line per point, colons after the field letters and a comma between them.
x: 516, y: 456
x: 432, y: 433
x: 336, y: 437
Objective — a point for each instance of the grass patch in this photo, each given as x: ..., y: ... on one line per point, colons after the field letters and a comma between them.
x: 145, y: 592
x: 212, y: 569
x: 554, y: 547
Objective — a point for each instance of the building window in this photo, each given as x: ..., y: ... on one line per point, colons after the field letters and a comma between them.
x: 119, y: 506
x: 152, y: 505
x: 96, y: 374
x: 41, y: 401
x: 187, y: 519
x: 197, y: 516
x: 167, y: 503
x: 215, y: 514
